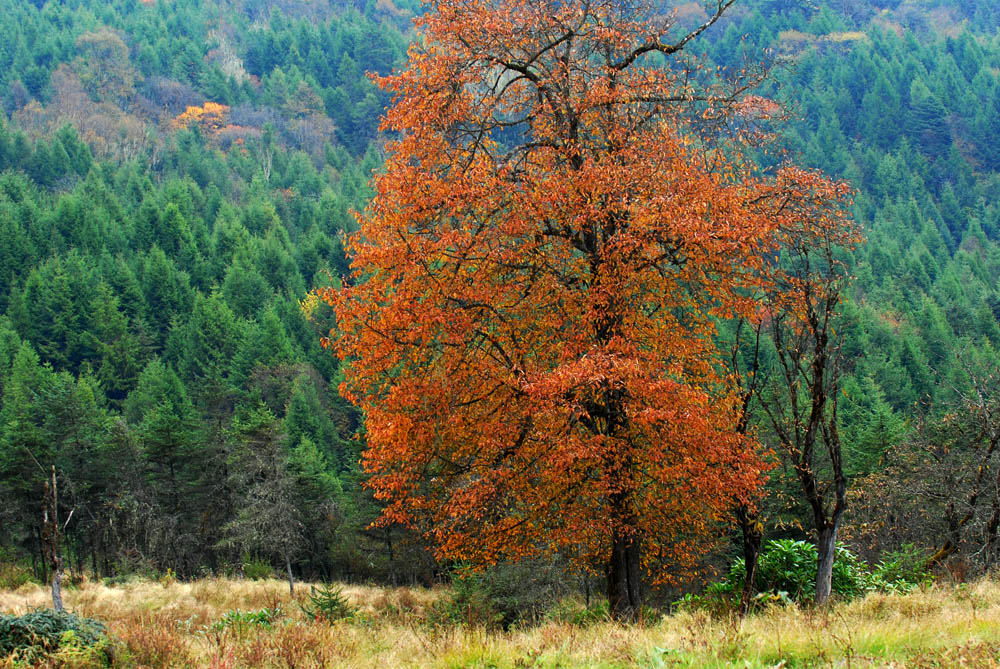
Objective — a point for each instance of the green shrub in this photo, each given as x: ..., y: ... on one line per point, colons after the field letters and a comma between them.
x: 127, y: 571
x: 470, y: 603
x: 119, y: 580
x: 328, y: 603
x: 902, y: 570
x: 851, y: 577
x: 786, y: 571
x: 13, y: 573
x: 45, y: 631
x: 241, y: 621
x: 787, y: 566
x: 503, y: 595
x: 575, y: 613
x: 256, y: 569
x: 13, y: 576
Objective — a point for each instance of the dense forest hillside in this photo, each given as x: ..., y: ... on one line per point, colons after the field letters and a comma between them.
x: 175, y: 176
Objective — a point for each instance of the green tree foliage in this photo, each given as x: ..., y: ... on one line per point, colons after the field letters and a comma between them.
x: 151, y: 279
x: 267, y: 520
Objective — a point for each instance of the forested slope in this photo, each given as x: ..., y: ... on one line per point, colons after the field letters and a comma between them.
x: 175, y: 176
x: 902, y: 100
x: 167, y: 202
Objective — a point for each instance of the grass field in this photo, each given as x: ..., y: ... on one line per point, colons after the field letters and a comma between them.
x: 161, y: 624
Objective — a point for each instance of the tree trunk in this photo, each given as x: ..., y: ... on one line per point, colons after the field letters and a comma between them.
x: 826, y: 546
x: 992, y: 526
x: 57, y: 577
x: 991, y: 535
x: 392, y: 555
x: 753, y: 535
x: 623, y: 574
x: 291, y: 581
x: 78, y: 555
x: 50, y: 538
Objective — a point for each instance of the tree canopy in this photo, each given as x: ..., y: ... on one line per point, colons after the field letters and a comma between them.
x: 531, y: 316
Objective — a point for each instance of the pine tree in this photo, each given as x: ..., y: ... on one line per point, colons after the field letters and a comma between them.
x: 120, y: 353
x: 170, y: 444
x: 267, y: 521
x: 26, y: 452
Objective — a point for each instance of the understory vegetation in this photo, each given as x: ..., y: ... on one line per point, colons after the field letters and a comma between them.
x: 225, y: 623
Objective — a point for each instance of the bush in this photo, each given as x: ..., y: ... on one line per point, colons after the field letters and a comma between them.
x: 851, y: 577
x: 241, y: 621
x: 787, y: 566
x: 13, y: 574
x: 902, y: 570
x: 40, y: 633
x: 471, y: 603
x: 504, y: 595
x: 256, y: 569
x: 786, y: 570
x: 128, y: 571
x: 574, y: 612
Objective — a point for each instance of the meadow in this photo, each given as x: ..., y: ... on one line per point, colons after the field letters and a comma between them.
x: 232, y: 623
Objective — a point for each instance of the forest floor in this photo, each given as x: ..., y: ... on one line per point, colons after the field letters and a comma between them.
x: 169, y: 623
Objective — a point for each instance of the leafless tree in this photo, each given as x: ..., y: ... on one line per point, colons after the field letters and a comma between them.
x: 801, y: 402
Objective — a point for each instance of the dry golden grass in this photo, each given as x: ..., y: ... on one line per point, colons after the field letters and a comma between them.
x: 170, y: 624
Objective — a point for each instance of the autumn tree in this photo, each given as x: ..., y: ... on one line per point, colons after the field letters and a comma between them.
x: 210, y: 117
x: 104, y: 66
x: 530, y: 319
x: 530, y: 323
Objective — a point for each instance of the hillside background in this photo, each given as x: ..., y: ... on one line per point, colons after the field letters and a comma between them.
x: 176, y: 175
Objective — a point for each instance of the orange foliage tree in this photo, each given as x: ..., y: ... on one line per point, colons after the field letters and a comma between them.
x: 210, y: 117
x: 530, y: 319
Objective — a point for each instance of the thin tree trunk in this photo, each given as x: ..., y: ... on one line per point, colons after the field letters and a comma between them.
x: 291, y: 581
x: 991, y: 532
x: 392, y: 555
x: 78, y: 554
x: 753, y: 535
x: 57, y: 577
x: 623, y: 574
x: 826, y: 546
x: 50, y: 536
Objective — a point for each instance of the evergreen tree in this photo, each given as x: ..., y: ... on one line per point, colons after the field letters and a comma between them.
x: 925, y: 121
x: 267, y: 521
x: 26, y: 452
x: 169, y: 438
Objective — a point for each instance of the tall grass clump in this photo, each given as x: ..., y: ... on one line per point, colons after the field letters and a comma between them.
x: 13, y: 574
